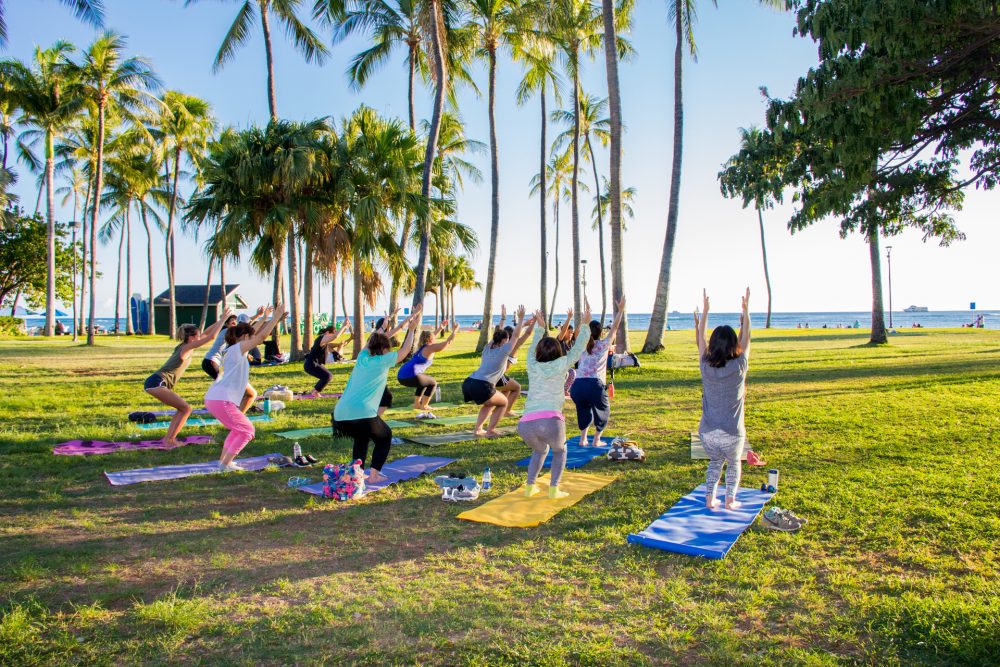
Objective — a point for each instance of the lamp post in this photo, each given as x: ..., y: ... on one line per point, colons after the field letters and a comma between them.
x: 888, y: 256
x: 74, y: 226
x: 583, y: 263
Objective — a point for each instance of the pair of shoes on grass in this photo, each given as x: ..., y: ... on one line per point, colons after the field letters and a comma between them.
x: 426, y: 415
x: 455, y: 480
x: 776, y: 518
x: 460, y: 493
x: 304, y: 461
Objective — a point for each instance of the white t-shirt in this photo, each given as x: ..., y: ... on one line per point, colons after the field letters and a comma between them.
x: 234, y: 376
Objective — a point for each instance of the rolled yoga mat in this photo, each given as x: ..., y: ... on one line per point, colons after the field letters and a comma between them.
x: 84, y: 447
x: 399, y: 470
x: 576, y: 455
x: 199, y: 422
x: 452, y: 438
x: 515, y: 510
x: 304, y: 433
x: 161, y: 473
x: 691, y: 528
x: 698, y: 452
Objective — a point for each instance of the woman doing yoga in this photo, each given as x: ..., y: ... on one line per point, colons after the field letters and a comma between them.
x: 414, y: 372
x: 543, y: 426
x: 590, y: 389
x: 160, y: 385
x: 356, y: 414
x: 315, y: 363
x: 230, y: 396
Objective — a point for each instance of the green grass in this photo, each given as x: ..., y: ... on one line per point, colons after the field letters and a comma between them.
x: 889, y: 451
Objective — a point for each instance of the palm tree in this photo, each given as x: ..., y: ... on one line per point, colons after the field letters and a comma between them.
x: 538, y: 56
x: 183, y: 128
x: 615, y: 22
x: 48, y: 102
x: 558, y: 173
x: 88, y: 11
x: 603, y: 202
x: 459, y: 275
x: 592, y: 124
x: 107, y: 78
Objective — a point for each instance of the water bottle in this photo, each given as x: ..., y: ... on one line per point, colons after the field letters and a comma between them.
x: 487, y: 479
x: 267, y: 406
x: 437, y: 394
x: 772, y: 478
x: 296, y: 451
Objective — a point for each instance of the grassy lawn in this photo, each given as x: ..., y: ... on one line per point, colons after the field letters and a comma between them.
x: 890, y: 452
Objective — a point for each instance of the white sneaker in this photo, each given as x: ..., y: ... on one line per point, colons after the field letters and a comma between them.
x: 229, y: 467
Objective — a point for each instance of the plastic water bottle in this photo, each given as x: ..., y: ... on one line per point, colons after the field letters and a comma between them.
x: 772, y: 478
x: 487, y: 479
x: 267, y: 406
x: 296, y: 451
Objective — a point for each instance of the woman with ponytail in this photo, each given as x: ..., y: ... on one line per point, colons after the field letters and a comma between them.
x: 590, y: 389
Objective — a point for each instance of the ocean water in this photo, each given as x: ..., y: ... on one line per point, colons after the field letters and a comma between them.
x: 679, y: 321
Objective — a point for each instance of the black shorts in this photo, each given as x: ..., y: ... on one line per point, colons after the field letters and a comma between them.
x: 477, y: 391
x: 422, y: 386
x: 503, y: 381
x: 386, y: 400
x: 210, y: 368
x: 154, y: 381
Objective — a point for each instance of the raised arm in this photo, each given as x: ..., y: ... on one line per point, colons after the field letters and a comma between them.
x: 539, y: 333
x: 529, y: 326
x: 616, y: 323
x: 261, y: 312
x: 519, y: 327
x: 503, y: 315
x: 442, y: 345
x: 745, y: 324
x: 209, y: 334
x: 701, y: 324
x: 334, y: 335
x: 265, y: 329
x: 564, y: 329
x: 580, y: 345
x: 411, y: 324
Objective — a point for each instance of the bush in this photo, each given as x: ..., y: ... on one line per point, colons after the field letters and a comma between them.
x: 12, y: 326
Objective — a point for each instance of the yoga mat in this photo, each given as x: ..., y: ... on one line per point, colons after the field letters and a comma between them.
x: 83, y: 447
x: 515, y: 510
x: 126, y: 477
x: 198, y: 422
x: 409, y: 409
x: 399, y: 470
x: 452, y: 438
x: 691, y: 528
x: 698, y: 452
x: 303, y: 433
x: 576, y: 455
x: 171, y: 413
x: 309, y: 397
x: 456, y: 420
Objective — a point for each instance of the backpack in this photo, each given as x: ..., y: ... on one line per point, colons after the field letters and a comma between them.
x: 142, y: 417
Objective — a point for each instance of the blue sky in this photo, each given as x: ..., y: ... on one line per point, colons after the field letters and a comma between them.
x: 741, y: 47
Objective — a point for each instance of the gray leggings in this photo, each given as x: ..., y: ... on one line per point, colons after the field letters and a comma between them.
x: 540, y: 435
x: 723, y: 448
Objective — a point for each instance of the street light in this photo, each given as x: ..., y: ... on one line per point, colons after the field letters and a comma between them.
x: 888, y: 256
x: 583, y: 262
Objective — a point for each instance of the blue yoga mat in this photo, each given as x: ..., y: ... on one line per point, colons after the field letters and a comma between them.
x: 576, y: 456
x: 198, y: 421
x: 125, y: 477
x: 399, y: 470
x: 691, y: 528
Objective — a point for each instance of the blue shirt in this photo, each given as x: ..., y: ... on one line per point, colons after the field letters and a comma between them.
x: 364, y: 387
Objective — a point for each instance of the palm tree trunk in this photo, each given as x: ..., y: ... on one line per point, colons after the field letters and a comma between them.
x: 13, y: 306
x: 442, y: 297
x: 208, y: 293
x: 484, y: 332
x: 575, y: 197
x: 404, y: 236
x: 307, y: 298
x: 333, y: 294
x: 878, y: 314
x: 41, y: 191
x: 767, y: 274
x: 171, y: 253
x: 272, y: 101
x: 222, y: 279
x: 118, y: 281
x: 279, y: 287
x: 555, y: 288
x: 439, y: 75
x: 129, y: 325
x: 75, y: 225
x: 50, y: 220
x: 83, y: 269
x: 293, y: 295
x: 359, y: 312
x: 343, y: 298
x: 600, y: 232
x: 98, y: 186
x: 543, y: 198
x: 151, y: 324
x: 615, y: 114
x: 658, y: 320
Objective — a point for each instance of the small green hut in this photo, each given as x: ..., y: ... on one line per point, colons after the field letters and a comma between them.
x: 190, y: 301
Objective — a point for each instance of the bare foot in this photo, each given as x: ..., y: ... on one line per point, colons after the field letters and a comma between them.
x: 733, y: 505
x: 172, y: 442
x: 493, y: 434
x: 480, y: 432
x: 376, y: 477
x: 711, y: 503
x: 313, y: 393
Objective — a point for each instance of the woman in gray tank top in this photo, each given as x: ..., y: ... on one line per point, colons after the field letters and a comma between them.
x: 160, y: 385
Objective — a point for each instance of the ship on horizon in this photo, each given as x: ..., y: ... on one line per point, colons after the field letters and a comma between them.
x: 916, y: 309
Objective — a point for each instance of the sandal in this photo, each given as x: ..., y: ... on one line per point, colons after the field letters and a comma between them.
x: 295, y: 482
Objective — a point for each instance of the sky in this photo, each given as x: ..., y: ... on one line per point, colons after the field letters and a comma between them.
x: 741, y: 47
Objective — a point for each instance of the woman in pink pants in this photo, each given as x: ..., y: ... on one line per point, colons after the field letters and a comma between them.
x: 225, y: 396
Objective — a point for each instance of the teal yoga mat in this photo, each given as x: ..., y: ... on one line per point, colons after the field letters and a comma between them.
x: 456, y: 420
x: 198, y: 422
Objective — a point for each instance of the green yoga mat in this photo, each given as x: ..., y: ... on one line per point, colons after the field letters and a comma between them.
x: 304, y: 433
x: 409, y: 408
x: 452, y: 438
x: 698, y: 452
x: 456, y: 420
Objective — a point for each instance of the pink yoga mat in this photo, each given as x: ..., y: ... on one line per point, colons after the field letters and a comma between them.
x: 83, y: 447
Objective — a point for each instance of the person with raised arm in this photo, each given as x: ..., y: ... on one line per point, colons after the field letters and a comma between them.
x: 356, y: 414
x: 230, y: 396
x: 723, y: 360
x: 413, y: 373
x: 543, y: 426
x: 160, y: 385
x: 590, y: 389
x: 315, y: 361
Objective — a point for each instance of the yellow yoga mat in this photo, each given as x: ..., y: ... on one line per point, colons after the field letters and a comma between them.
x: 515, y: 510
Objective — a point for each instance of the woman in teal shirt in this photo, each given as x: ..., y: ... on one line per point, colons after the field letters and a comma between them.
x: 356, y: 413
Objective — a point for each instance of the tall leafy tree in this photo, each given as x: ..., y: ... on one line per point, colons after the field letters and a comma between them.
x: 48, y: 101
x: 88, y: 11
x: 107, y: 77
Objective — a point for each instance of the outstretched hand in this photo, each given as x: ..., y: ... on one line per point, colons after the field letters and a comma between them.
x: 704, y: 300
x: 586, y: 311
x: 746, y: 301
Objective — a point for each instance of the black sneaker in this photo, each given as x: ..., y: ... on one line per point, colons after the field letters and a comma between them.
x: 301, y: 462
x: 310, y: 458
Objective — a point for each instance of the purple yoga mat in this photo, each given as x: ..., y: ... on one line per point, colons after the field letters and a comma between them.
x: 187, y: 470
x: 82, y: 447
x: 399, y: 470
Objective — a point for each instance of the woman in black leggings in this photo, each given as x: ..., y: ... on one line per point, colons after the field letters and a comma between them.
x: 356, y: 414
x: 315, y: 363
